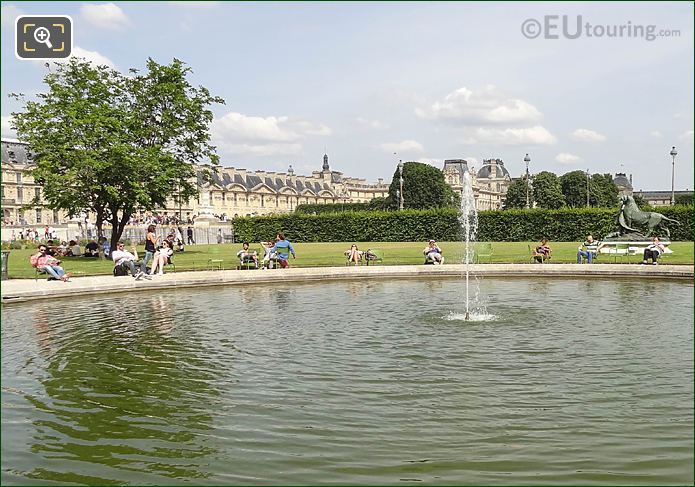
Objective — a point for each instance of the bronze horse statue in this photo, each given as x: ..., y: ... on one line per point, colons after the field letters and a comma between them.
x: 632, y: 219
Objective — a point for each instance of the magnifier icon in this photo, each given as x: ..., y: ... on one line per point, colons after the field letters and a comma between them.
x: 43, y: 36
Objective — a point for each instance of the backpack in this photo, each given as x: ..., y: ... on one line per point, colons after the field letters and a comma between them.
x: 120, y: 270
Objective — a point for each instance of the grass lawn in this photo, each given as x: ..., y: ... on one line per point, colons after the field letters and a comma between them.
x: 331, y: 254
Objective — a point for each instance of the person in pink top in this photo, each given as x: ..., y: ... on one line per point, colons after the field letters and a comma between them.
x: 48, y: 264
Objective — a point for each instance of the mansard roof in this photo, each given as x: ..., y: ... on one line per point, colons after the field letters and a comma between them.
x: 250, y: 181
x: 15, y: 152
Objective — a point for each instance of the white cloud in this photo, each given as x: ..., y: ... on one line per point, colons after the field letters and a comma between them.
x: 567, y: 158
x: 93, y: 57
x: 9, y: 14
x: 372, y: 124
x: 104, y: 15
x: 6, y: 129
x: 237, y: 133
x: 512, y: 136
x: 308, y: 128
x: 403, y: 147
x: 586, y: 135
x: 484, y: 106
x: 656, y: 133
x: 687, y: 136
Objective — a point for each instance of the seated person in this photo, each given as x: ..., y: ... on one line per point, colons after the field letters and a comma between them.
x: 123, y: 258
x: 48, y: 264
x: 161, y: 257
x: 246, y: 256
x: 91, y: 249
x: 653, y: 251
x: 52, y: 249
x: 62, y: 250
x: 268, y: 255
x: 354, y: 255
x: 105, y: 246
x: 74, y: 250
x: 591, y: 251
x: 543, y: 251
x: 433, y: 254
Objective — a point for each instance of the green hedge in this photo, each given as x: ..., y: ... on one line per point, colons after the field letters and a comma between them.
x: 375, y: 204
x: 564, y: 225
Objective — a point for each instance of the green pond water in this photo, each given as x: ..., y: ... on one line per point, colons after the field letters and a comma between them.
x: 571, y: 382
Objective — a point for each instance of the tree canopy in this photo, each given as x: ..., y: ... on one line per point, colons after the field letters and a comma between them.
x: 684, y: 199
x: 516, y: 195
x: 114, y: 144
x: 547, y: 191
x: 602, y: 190
x: 424, y: 187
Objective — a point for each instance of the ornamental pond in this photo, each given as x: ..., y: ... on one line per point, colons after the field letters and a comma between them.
x: 568, y: 382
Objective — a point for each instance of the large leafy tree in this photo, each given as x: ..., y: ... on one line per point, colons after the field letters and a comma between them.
x: 602, y: 191
x: 423, y: 187
x: 516, y: 195
x: 684, y: 199
x: 114, y: 144
x: 574, y: 187
x: 547, y: 191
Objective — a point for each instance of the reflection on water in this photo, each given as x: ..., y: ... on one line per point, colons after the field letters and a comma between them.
x: 573, y: 381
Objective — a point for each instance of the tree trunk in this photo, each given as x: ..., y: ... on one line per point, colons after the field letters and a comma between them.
x: 118, y: 224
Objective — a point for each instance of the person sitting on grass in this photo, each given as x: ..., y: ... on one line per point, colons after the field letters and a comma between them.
x: 91, y: 249
x: 354, y: 255
x: 74, y: 250
x: 591, y: 251
x: 542, y: 251
x: 246, y: 256
x: 281, y: 247
x: 63, y: 250
x: 123, y: 258
x: 48, y: 264
x: 653, y: 251
x: 105, y: 247
x: 433, y: 254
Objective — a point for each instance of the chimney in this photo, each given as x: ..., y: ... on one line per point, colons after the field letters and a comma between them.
x: 381, y: 181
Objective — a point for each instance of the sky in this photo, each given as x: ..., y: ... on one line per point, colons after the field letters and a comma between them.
x: 427, y: 82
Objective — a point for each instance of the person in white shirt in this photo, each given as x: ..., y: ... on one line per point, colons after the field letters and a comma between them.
x: 124, y: 258
x: 653, y: 251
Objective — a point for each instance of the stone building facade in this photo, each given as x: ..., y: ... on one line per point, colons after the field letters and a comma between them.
x: 19, y: 190
x: 490, y: 182
x: 232, y: 192
x: 240, y: 192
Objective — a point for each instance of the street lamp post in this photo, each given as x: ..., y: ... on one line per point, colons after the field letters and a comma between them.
x: 587, y: 187
x: 673, y: 153
x: 401, y: 196
x: 527, y: 159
